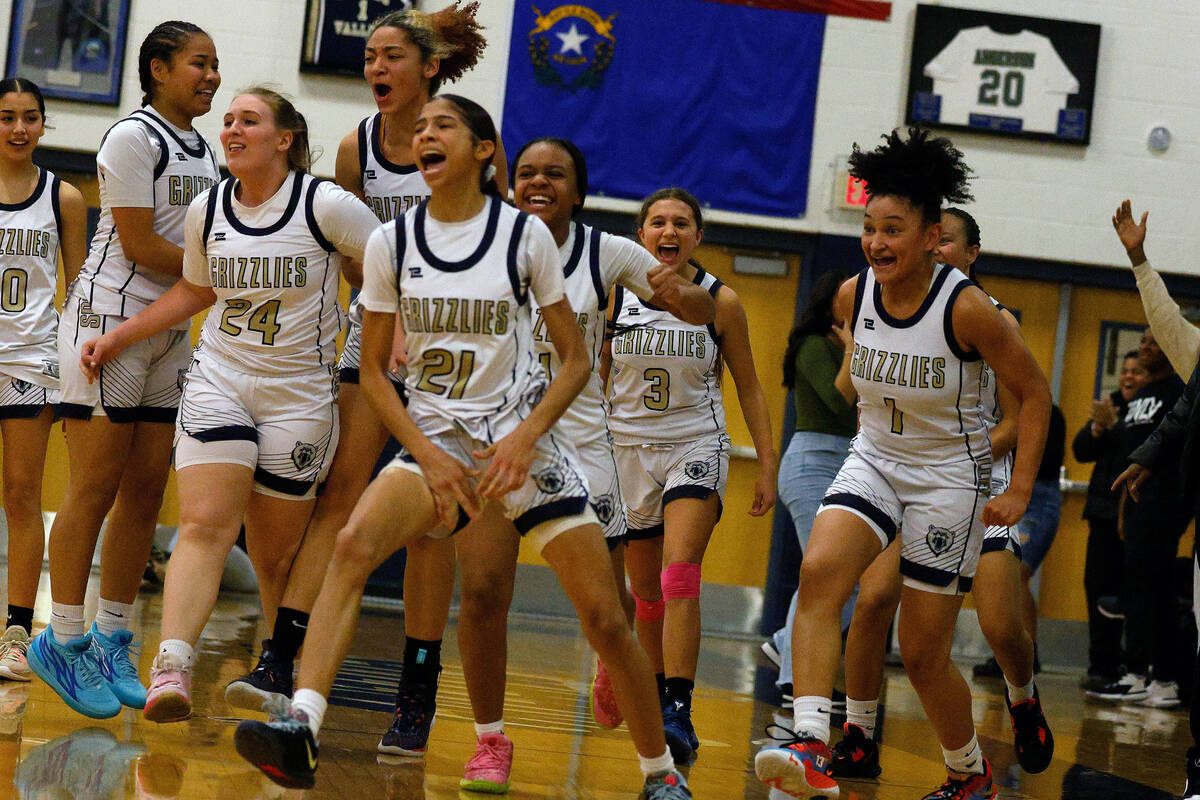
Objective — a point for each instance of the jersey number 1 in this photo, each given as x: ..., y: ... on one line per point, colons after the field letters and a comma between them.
x: 897, y: 415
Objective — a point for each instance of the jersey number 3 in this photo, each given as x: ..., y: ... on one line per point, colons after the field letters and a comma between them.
x: 658, y: 395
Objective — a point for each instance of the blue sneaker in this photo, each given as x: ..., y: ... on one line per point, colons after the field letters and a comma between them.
x: 678, y: 730
x: 117, y: 666
x: 72, y: 672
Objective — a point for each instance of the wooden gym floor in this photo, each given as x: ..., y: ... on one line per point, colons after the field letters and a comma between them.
x: 47, y: 751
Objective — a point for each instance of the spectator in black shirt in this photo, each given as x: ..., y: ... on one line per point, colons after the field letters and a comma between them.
x: 1099, y: 441
x: 1151, y: 525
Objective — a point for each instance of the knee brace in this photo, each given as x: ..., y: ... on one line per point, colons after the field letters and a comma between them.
x: 681, y: 581
x: 648, y: 610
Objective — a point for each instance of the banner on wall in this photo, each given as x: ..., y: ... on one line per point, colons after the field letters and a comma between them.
x: 713, y: 97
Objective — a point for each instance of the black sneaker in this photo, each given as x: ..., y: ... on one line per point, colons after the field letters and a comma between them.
x: 988, y: 669
x: 966, y: 787
x: 408, y: 735
x: 856, y: 755
x: 1110, y: 606
x: 786, y: 697
x: 1031, y: 733
x: 283, y: 749
x: 1192, y: 790
x: 837, y: 701
x: 269, y: 682
x: 681, y: 736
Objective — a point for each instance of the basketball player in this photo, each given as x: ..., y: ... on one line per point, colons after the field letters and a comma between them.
x: 550, y: 182
x: 996, y: 588
x: 41, y: 217
x: 119, y: 428
x: 668, y: 427
x: 408, y: 55
x: 460, y: 269
x: 920, y: 466
x: 258, y: 419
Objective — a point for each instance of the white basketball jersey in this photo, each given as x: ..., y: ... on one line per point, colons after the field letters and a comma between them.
x: 468, y: 323
x: 665, y: 378
x: 990, y: 403
x: 185, y: 168
x: 1019, y: 76
x: 918, y: 392
x: 276, y: 311
x: 391, y: 189
x: 30, y: 232
x: 593, y: 263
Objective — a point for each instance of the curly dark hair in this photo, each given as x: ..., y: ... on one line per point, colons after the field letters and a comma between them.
x: 451, y: 34
x: 817, y: 319
x: 925, y: 170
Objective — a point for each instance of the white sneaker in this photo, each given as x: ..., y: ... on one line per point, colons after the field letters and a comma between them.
x: 1130, y: 688
x: 772, y: 653
x: 13, y: 647
x: 1162, y: 694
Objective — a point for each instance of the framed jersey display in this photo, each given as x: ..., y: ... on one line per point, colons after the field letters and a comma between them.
x: 1002, y: 73
x: 336, y: 30
x: 72, y: 49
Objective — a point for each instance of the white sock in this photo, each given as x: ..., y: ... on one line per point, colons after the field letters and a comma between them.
x: 662, y: 765
x: 313, y: 705
x: 489, y: 727
x: 112, y: 616
x: 968, y: 759
x: 178, y: 651
x: 811, y: 717
x: 862, y: 713
x: 66, y: 622
x: 1018, y: 694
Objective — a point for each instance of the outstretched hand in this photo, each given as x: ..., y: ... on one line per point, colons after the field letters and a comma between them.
x: 1132, y: 234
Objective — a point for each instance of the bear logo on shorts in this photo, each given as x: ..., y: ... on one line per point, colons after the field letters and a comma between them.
x: 604, y: 508
x: 939, y: 539
x: 549, y: 480
x: 303, y: 454
x: 695, y: 470
x: 21, y: 386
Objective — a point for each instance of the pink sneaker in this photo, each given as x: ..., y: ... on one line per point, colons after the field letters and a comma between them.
x: 488, y: 769
x: 169, y: 698
x: 604, y: 702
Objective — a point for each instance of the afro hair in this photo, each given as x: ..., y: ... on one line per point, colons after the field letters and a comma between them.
x: 925, y: 170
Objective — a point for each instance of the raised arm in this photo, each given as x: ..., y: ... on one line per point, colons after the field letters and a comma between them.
x: 1178, y: 338
x: 735, y: 350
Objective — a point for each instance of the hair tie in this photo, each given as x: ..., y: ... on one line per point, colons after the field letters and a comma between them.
x: 490, y: 172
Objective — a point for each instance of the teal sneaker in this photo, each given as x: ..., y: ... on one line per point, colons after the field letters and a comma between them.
x: 72, y: 672
x: 117, y: 666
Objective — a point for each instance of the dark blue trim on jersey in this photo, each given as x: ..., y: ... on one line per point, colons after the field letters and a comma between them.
x: 226, y: 433
x: 555, y: 509
x: 948, y: 324
x: 362, y: 149
x: 860, y: 289
x: 489, y: 234
x: 576, y: 251
x: 932, y: 575
x: 146, y: 118
x: 863, y: 506
x: 293, y: 201
x: 996, y: 544
x: 281, y: 484
x: 642, y: 534
x: 401, y: 246
x: 33, y: 198
x: 935, y: 289
x: 613, y: 542
x: 514, y: 247
x: 56, y: 207
x: 376, y: 135
x: 151, y: 414
x: 22, y: 410
x: 73, y: 410
x: 310, y: 216
x: 350, y: 375
x: 210, y: 211
x: 594, y: 264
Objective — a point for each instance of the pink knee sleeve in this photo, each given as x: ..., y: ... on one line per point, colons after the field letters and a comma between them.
x: 648, y: 610
x: 681, y: 581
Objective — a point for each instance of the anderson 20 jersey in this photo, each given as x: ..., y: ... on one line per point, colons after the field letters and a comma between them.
x: 665, y: 381
x: 462, y: 290
x: 919, y: 392
x: 275, y: 270
x: 593, y: 262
